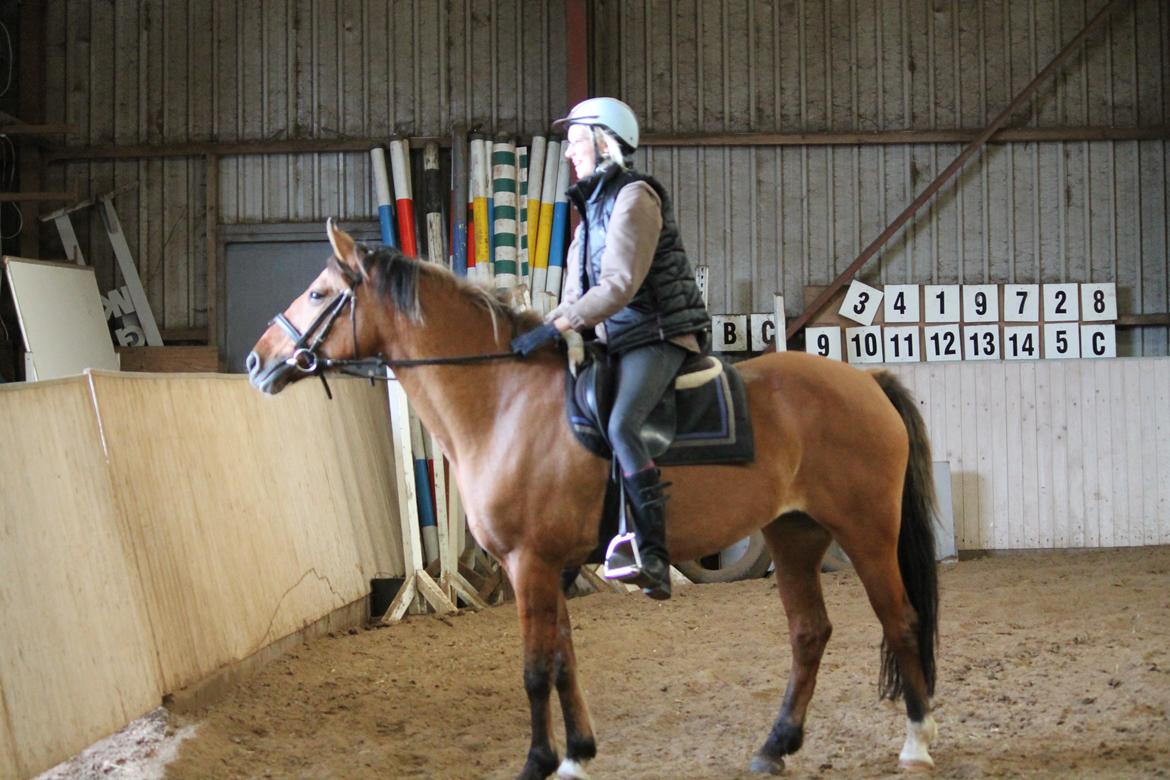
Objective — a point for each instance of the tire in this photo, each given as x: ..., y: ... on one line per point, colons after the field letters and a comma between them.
x: 753, y: 564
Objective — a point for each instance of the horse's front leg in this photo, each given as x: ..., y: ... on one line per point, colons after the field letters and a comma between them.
x: 537, y: 601
x: 580, y: 744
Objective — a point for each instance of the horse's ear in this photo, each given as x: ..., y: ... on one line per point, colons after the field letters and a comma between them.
x: 344, y: 248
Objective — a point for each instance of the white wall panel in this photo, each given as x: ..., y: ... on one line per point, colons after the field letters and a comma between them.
x: 1052, y: 454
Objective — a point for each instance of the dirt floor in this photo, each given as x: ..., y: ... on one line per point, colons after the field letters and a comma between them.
x: 1050, y: 665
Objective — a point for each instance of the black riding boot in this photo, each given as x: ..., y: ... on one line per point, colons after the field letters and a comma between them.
x: 647, y: 497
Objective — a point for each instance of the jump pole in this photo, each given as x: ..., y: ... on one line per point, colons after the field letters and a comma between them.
x: 417, y: 582
x: 382, y: 188
x: 504, y: 230
x: 479, y: 193
x: 459, y: 202
x: 556, y: 247
x: 433, y: 204
x: 535, y: 174
x: 403, y: 196
x: 544, y: 218
x: 522, y: 217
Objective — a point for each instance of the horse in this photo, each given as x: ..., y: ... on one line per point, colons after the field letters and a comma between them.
x: 841, y: 454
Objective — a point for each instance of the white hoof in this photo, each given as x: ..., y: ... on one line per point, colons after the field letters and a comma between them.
x: 572, y: 770
x: 915, y: 755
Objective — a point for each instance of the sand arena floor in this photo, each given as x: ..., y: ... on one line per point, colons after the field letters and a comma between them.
x: 1050, y: 665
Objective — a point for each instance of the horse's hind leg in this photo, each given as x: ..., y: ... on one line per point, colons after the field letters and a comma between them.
x: 798, y: 544
x: 876, y: 563
x: 580, y: 745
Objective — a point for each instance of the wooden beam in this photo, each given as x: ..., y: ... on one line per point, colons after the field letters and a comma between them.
x: 32, y: 110
x: 1017, y: 102
x: 1143, y: 320
x: 211, y: 216
x: 226, y: 149
x: 952, y: 136
x: 38, y: 130
x: 36, y: 197
x: 576, y: 52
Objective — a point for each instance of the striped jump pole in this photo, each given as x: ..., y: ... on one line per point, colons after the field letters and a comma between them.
x: 382, y: 188
x: 422, y: 483
x: 403, y: 197
x: 560, y: 226
x: 479, y: 198
x: 459, y: 202
x: 522, y: 218
x: 504, y: 231
x: 433, y: 204
x: 544, y: 221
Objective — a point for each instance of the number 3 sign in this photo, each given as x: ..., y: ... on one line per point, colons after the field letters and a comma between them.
x: 861, y: 303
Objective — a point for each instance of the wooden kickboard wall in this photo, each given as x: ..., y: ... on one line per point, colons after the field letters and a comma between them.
x: 160, y: 528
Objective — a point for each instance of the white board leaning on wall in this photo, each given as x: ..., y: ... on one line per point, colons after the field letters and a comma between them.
x: 61, y: 316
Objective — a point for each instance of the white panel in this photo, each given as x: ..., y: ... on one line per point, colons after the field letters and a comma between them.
x: 980, y: 303
x: 862, y: 303
x: 1052, y: 454
x: 940, y: 303
x: 1062, y: 341
x: 903, y: 344
x: 1021, y: 303
x: 1099, y: 302
x: 1098, y: 341
x: 943, y: 342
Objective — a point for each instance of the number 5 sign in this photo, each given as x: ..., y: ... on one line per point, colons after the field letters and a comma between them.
x: 861, y: 303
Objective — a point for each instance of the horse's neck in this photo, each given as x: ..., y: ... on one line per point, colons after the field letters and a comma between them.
x: 456, y: 403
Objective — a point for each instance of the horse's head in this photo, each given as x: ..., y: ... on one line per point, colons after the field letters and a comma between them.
x: 321, y: 324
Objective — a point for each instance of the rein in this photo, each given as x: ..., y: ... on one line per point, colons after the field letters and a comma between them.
x: 304, y: 357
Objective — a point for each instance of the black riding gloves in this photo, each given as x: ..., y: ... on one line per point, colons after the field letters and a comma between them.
x: 527, y: 343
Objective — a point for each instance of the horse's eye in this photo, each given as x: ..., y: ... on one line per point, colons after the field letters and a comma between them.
x: 316, y: 296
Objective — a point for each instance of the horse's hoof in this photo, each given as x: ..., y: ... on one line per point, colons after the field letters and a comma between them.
x: 916, y: 767
x: 766, y: 765
x: 572, y: 770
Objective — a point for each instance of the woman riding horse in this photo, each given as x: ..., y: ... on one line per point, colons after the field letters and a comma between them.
x: 628, y: 278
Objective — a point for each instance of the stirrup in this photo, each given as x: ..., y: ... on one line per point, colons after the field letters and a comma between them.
x: 615, y: 548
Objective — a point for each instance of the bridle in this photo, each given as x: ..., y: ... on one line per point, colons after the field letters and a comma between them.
x: 304, y: 357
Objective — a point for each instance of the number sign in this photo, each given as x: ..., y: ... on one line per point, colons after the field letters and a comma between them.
x: 981, y: 342
x: 980, y: 303
x: 1060, y: 303
x: 1021, y: 303
x: 941, y: 302
x: 864, y: 344
x: 903, y: 343
x: 1062, y: 340
x: 1021, y: 342
x: 861, y: 303
x: 1099, y: 302
x: 902, y: 303
x: 824, y: 341
x: 1098, y: 341
x: 942, y: 343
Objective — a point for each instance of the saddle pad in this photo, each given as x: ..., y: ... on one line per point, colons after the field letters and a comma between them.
x: 712, y: 424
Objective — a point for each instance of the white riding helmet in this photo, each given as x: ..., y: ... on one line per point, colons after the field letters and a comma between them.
x: 606, y: 112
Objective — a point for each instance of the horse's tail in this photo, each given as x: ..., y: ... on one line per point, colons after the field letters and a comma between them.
x: 916, y: 550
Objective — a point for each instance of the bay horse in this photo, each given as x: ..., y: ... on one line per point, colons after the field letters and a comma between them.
x: 840, y: 454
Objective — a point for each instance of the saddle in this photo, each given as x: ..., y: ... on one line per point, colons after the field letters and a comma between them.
x: 703, y: 421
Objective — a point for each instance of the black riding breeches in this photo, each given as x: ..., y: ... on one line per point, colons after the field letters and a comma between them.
x: 644, y: 374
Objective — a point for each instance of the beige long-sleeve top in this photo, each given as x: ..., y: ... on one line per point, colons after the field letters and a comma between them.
x: 630, y: 242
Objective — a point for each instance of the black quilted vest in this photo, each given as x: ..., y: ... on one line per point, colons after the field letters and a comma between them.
x: 669, y: 302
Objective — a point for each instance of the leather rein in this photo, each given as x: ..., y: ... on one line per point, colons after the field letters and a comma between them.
x: 304, y: 357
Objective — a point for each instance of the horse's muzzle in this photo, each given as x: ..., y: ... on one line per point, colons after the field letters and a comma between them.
x: 266, y: 379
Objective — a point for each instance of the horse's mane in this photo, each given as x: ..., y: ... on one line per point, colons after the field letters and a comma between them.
x: 395, y: 277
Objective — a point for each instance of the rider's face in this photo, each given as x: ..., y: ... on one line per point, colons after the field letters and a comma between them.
x: 580, y: 151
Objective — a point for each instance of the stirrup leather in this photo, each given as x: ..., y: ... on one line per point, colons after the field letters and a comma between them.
x: 623, y: 569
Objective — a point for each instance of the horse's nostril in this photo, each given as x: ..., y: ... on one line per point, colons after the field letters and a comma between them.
x: 252, y: 363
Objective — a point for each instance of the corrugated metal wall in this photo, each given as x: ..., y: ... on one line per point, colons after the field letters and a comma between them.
x: 1051, y: 453
x: 770, y: 219
x: 155, y: 71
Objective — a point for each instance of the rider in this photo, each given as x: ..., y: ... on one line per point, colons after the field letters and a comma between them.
x: 628, y: 277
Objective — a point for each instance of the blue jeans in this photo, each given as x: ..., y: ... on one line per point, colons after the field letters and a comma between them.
x: 643, y: 375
